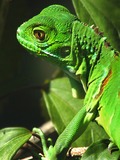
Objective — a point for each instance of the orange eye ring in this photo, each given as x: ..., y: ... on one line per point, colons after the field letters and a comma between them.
x: 39, y: 34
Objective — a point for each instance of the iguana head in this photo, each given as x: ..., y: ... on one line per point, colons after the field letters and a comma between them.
x: 48, y: 35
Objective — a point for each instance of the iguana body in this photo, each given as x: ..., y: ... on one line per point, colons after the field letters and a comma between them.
x: 59, y: 37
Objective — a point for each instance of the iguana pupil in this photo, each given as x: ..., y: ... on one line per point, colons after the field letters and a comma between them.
x: 39, y: 34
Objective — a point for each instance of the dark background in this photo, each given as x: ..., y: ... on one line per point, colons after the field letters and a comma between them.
x: 21, y: 73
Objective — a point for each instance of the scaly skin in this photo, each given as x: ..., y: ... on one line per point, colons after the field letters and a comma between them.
x: 59, y: 37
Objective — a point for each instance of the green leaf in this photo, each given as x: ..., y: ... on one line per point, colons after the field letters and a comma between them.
x: 11, y: 139
x: 59, y: 102
x: 105, y: 14
x: 62, y: 107
x: 81, y: 12
x: 99, y: 151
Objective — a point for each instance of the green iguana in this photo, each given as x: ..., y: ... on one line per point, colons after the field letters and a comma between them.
x: 83, y: 53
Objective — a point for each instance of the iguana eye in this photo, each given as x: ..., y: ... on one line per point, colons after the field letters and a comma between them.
x: 39, y: 34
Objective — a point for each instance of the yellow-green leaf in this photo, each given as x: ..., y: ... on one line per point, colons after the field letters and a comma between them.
x: 11, y: 139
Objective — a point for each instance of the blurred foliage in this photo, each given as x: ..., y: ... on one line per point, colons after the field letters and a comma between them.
x: 11, y: 139
x: 99, y: 151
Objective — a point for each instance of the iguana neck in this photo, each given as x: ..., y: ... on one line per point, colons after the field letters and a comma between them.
x: 86, y: 50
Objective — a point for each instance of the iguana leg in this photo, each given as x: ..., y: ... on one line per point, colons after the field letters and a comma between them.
x: 74, y: 129
x: 49, y: 152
